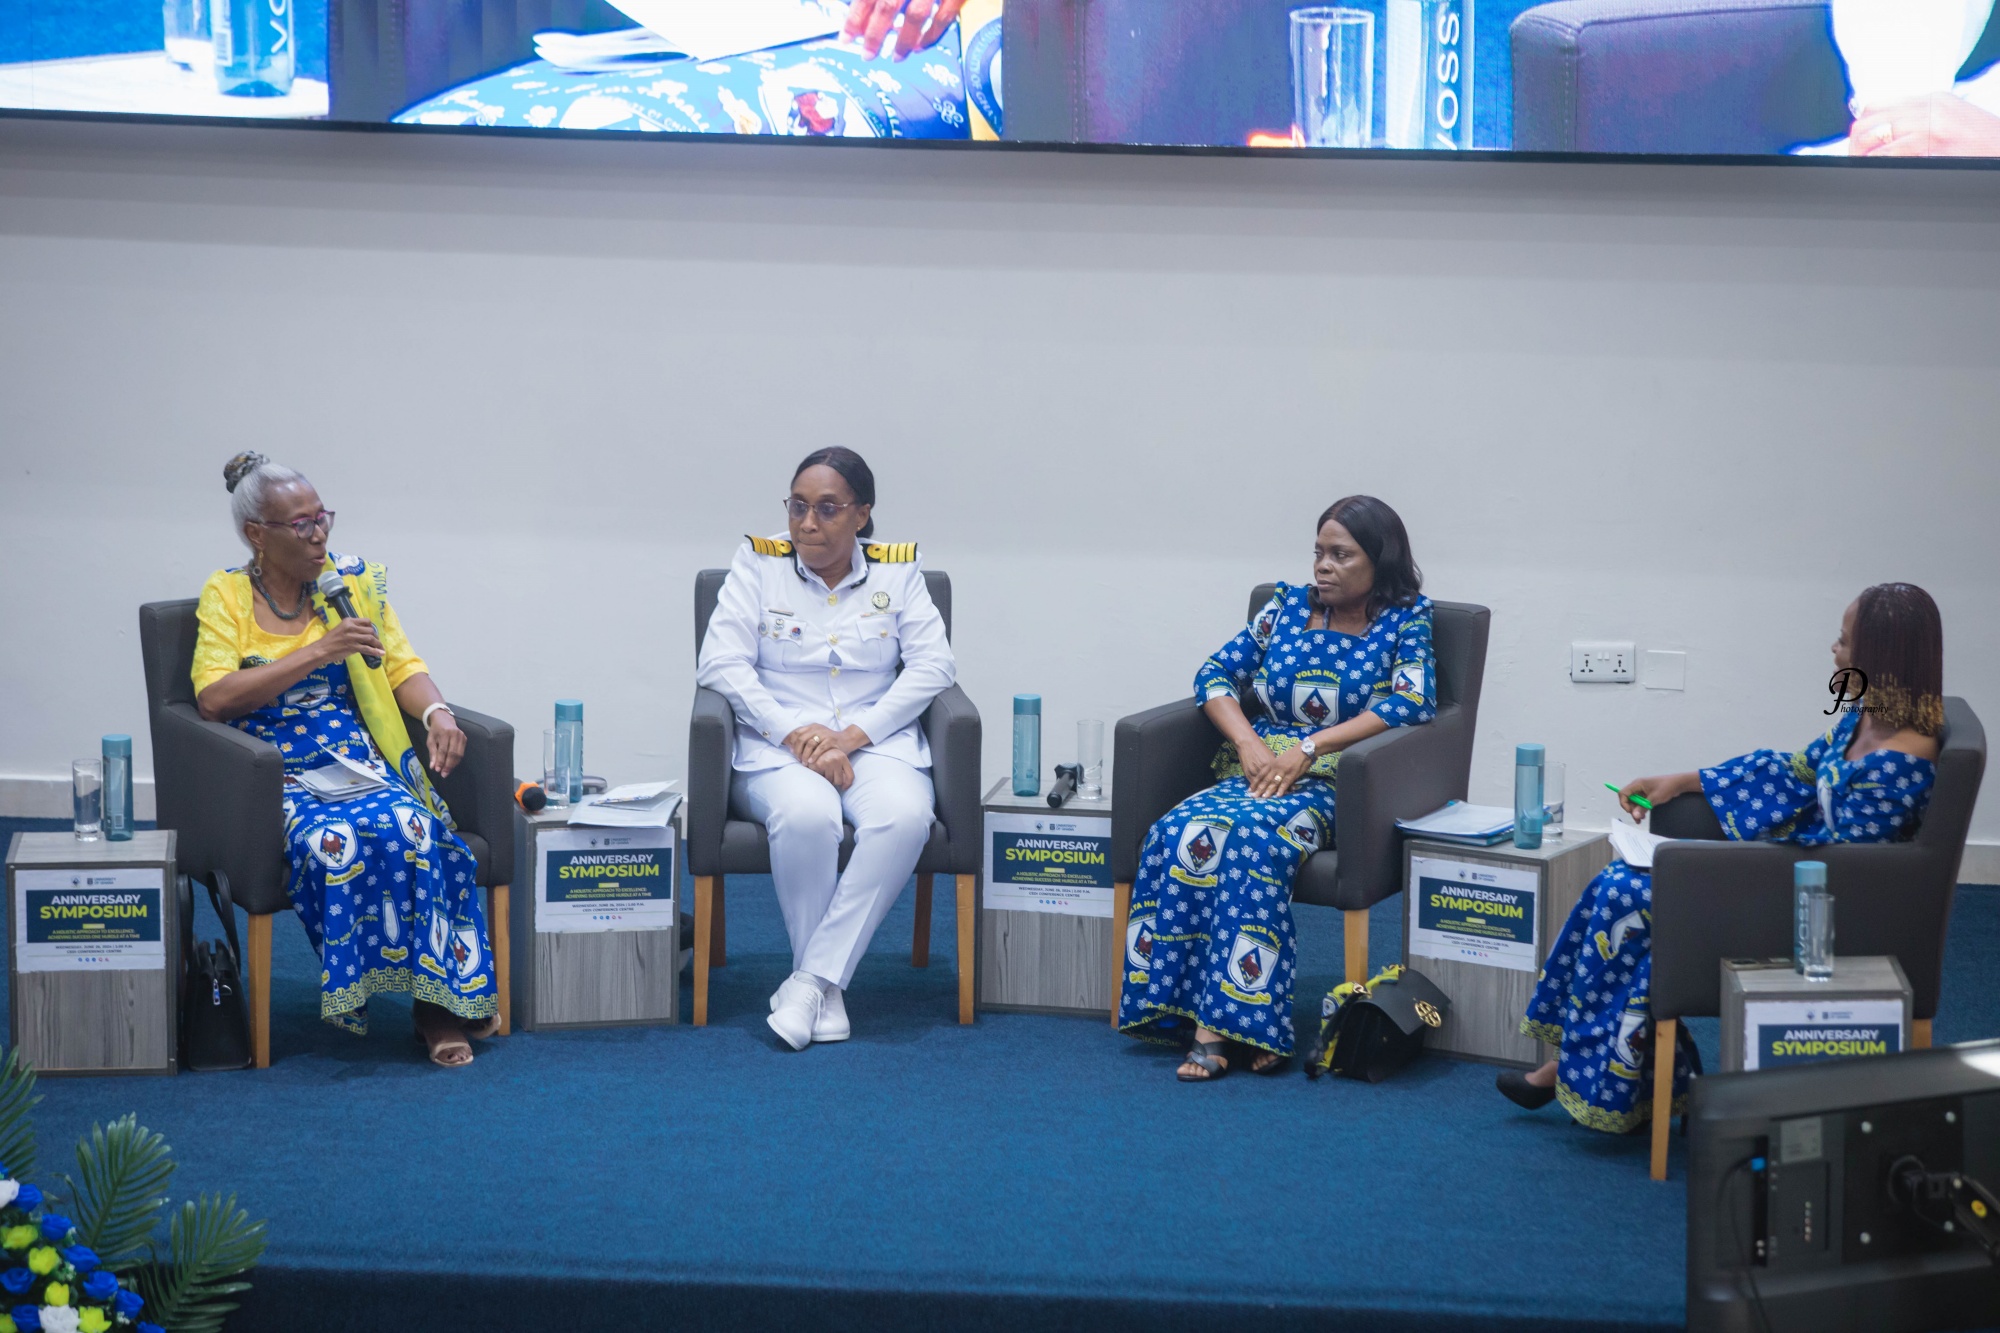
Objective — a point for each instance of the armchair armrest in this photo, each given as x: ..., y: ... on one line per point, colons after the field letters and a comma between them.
x: 1159, y: 758
x: 1716, y: 900
x: 1688, y: 815
x: 480, y: 791
x: 711, y: 738
x: 952, y: 726
x: 1399, y: 774
x: 222, y: 791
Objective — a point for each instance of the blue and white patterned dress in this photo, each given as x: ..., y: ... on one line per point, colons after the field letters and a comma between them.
x: 1210, y: 937
x: 1594, y: 998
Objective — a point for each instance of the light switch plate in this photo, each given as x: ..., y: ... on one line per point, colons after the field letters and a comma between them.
x: 1664, y: 670
x: 1609, y: 662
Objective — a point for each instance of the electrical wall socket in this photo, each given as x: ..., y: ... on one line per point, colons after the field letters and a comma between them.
x: 1606, y: 663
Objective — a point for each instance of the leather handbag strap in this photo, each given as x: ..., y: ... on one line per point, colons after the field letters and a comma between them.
x: 225, y: 907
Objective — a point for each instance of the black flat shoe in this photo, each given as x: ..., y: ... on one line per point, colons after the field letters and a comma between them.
x: 1514, y: 1086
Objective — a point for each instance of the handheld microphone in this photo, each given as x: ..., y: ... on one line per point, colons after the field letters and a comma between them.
x: 531, y: 797
x: 1067, y: 776
x: 334, y: 589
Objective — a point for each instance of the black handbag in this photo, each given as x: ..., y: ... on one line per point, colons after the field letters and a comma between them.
x: 1370, y: 1031
x: 215, y: 1017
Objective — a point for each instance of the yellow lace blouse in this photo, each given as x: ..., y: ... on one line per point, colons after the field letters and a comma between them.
x: 230, y: 638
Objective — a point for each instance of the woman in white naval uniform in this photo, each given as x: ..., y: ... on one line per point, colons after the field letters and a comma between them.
x: 805, y: 643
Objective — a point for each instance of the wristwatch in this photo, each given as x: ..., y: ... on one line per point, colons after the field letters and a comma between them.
x: 1308, y: 749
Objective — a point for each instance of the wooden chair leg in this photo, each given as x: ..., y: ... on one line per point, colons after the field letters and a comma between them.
x: 260, y: 989
x: 1920, y: 1034
x: 704, y: 922
x: 920, y: 937
x: 1354, y: 927
x: 1665, y: 1033
x: 498, y: 931
x: 967, y: 923
x: 720, y: 943
x: 1121, y: 921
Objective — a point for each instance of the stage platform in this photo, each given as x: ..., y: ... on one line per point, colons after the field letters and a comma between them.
x: 1026, y: 1173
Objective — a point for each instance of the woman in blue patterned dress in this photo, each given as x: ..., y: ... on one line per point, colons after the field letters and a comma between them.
x: 1209, y: 951
x: 384, y: 885
x: 1866, y: 780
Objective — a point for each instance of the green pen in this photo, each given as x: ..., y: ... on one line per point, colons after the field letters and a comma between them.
x: 1639, y: 801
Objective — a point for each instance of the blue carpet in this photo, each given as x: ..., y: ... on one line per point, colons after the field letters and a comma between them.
x: 1029, y: 1172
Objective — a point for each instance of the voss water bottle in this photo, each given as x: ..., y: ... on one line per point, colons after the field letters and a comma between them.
x: 569, y: 748
x: 254, y: 41
x: 1428, y: 95
x: 1027, y: 744
x: 1528, y: 806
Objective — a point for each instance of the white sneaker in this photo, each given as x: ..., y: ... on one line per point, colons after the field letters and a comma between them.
x: 832, y: 1022
x: 795, y: 1010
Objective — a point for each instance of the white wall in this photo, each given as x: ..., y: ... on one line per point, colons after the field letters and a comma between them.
x: 1699, y: 407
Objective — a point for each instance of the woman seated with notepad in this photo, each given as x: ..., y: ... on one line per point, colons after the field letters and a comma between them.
x: 383, y: 884
x: 1866, y: 780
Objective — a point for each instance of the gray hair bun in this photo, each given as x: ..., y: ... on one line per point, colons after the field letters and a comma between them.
x: 241, y: 466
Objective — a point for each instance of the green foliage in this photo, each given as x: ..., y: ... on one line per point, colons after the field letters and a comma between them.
x: 17, y: 1131
x: 116, y: 1205
x: 211, y: 1243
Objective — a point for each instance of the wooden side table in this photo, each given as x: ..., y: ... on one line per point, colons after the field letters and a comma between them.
x: 94, y: 972
x: 598, y: 911
x: 1772, y: 1016
x: 1045, y: 917
x: 1479, y: 921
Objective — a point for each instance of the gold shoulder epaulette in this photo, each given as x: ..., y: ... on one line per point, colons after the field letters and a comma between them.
x: 769, y: 546
x: 891, y: 553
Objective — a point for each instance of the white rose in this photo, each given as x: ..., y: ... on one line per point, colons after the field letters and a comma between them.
x: 8, y: 1189
x: 59, y: 1319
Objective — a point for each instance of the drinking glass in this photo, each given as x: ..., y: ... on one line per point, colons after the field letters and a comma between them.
x: 190, y: 43
x: 1333, y: 77
x: 1819, y: 938
x: 1090, y: 755
x: 558, y: 793
x: 86, y: 786
x: 1552, y: 800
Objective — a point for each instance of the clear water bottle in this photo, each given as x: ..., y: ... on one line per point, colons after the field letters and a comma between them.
x: 1812, y: 922
x: 1027, y: 744
x: 1429, y: 75
x: 254, y: 47
x: 118, y: 788
x: 569, y: 749
x: 190, y: 42
x: 1528, y: 808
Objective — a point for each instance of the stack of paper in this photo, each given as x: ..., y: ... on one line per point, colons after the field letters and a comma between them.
x: 706, y: 30
x: 605, y: 52
x: 1473, y: 825
x: 636, y: 805
x: 342, y: 780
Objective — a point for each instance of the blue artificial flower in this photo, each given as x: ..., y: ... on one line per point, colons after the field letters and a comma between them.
x: 101, y: 1285
x: 55, y: 1226
x: 80, y: 1257
x: 127, y: 1302
x: 29, y: 1199
x: 28, y: 1318
x: 17, y: 1280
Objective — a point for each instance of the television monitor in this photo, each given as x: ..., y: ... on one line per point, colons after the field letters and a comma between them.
x: 1853, y: 1194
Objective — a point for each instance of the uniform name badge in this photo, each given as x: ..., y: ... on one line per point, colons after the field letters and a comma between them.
x: 1057, y: 863
x: 599, y: 879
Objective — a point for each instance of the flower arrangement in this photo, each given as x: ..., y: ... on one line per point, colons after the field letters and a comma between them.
x: 98, y: 1266
x: 55, y: 1284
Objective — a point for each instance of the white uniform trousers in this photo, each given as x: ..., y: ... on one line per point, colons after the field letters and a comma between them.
x: 831, y: 914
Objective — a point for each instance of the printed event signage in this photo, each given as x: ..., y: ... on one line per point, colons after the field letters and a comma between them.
x: 1796, y: 1032
x: 598, y: 879
x: 1058, y: 863
x: 1473, y: 913
x: 89, y: 920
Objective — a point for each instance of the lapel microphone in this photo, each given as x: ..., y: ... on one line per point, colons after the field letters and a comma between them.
x: 334, y: 589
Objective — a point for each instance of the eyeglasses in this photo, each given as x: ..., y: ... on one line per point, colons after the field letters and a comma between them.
x: 826, y: 509
x: 302, y: 528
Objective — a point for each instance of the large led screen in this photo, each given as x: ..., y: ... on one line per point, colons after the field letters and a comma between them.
x: 1831, y: 78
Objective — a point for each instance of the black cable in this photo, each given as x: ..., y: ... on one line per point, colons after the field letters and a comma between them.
x: 1736, y: 1233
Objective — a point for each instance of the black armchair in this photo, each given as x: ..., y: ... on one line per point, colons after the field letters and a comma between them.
x: 1162, y: 757
x: 719, y: 846
x: 221, y: 790
x: 1714, y: 899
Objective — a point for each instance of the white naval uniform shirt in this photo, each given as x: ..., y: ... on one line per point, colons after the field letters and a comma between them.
x: 786, y: 650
